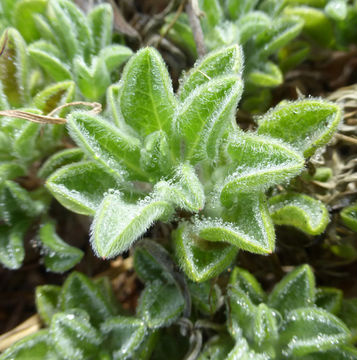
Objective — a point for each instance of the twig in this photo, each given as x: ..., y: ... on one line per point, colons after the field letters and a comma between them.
x: 172, y: 23
x: 49, y: 119
x: 28, y: 327
x: 192, y: 10
x: 346, y: 138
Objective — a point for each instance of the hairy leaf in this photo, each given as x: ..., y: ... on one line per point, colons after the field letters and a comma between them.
x: 329, y: 299
x: 306, y: 124
x: 47, y: 301
x: 202, y: 117
x: 349, y: 216
x: 146, y: 98
x: 309, y: 330
x: 32, y: 347
x: 46, y: 55
x: 80, y: 292
x: 295, y: 290
x: 59, y: 159
x: 302, y: 211
x: 245, y: 281
x: 118, y: 224
x: 14, y: 68
x: 160, y: 304
x: 117, y: 152
x: 73, y: 336
x: 81, y: 187
x: 200, y: 259
x: 124, y: 335
x: 267, y: 75
x: 246, y: 225
x: 58, y: 255
x: 224, y: 61
x: 184, y: 189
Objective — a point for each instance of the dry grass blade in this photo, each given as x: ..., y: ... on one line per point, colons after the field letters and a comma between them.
x: 50, y: 119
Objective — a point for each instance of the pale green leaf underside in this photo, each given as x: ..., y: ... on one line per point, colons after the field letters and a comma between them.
x: 246, y: 225
x: 118, y: 224
x: 306, y: 124
x: 302, y: 211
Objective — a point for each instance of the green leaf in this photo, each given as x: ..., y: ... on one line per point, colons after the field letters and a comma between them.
x: 236, y: 8
x: 100, y: 21
x: 160, y: 304
x: 316, y: 24
x: 73, y: 336
x: 278, y: 35
x: 337, y: 10
x: 26, y: 9
x: 262, y: 162
x: 115, y: 55
x: 79, y: 291
x: 32, y: 347
x: 146, y: 97
x: 47, y: 301
x: 124, y: 335
x: 15, y: 202
x: 155, y: 156
x: 306, y: 124
x: 10, y: 170
x: 348, y: 314
x: 116, y: 151
x: 295, y: 290
x: 241, y: 314
x: 224, y: 61
x: 25, y: 141
x: 349, y: 216
x: 309, y: 330
x: 216, y: 348
x: 252, y: 24
x: 71, y: 27
x: 91, y: 80
x: 180, y: 33
x: 184, y: 189
x: 241, y: 351
x: 301, y: 211
x: 14, y: 68
x: 200, y: 259
x: 213, y: 12
x: 47, y: 56
x: 268, y: 75
x: 118, y: 224
x: 329, y: 299
x: 59, y: 159
x: 80, y: 187
x: 58, y: 255
x: 201, y: 119
x: 245, y: 281
x: 150, y: 260
x: 12, y: 250
x: 55, y: 95
x: 342, y: 352
x: 265, y: 327
x: 205, y: 296
x: 246, y: 225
